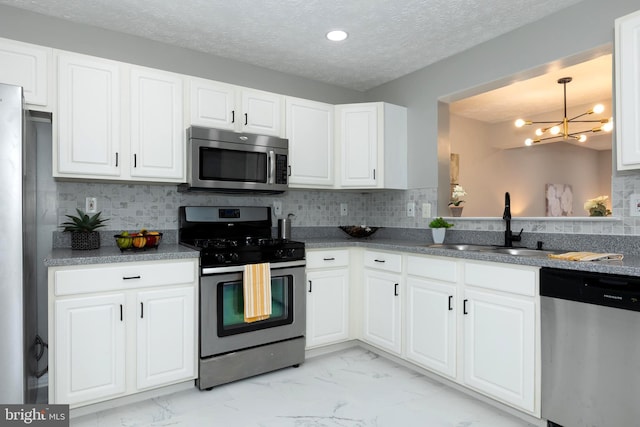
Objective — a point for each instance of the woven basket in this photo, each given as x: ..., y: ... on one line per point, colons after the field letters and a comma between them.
x: 85, y: 241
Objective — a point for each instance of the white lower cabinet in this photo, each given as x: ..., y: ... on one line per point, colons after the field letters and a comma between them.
x: 327, y: 297
x: 118, y: 329
x: 382, y: 323
x: 476, y: 323
x: 501, y: 332
x: 89, y: 359
x: 431, y: 313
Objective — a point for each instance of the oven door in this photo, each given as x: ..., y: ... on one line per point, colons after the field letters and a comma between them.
x: 222, y: 326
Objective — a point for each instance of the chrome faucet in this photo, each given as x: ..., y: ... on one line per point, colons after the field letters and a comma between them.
x: 509, y: 238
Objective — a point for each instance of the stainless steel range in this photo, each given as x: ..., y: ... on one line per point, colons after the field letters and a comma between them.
x: 228, y: 238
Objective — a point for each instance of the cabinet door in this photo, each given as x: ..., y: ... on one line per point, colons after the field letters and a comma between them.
x: 359, y: 145
x: 499, y: 346
x: 431, y: 325
x: 88, y: 140
x: 261, y: 113
x: 166, y: 336
x: 89, y: 350
x: 310, y: 134
x: 382, y: 310
x: 327, y: 307
x: 26, y: 65
x: 627, y: 56
x: 213, y: 104
x: 157, y: 134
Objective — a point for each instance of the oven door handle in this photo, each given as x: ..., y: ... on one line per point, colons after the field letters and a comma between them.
x: 240, y: 268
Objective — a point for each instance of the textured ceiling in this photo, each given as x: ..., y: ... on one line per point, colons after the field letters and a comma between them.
x: 388, y: 39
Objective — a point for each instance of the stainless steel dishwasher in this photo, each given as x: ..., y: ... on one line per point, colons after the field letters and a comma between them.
x: 590, y: 348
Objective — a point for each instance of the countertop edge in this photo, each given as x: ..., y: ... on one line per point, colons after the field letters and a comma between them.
x: 630, y: 265
x: 111, y: 254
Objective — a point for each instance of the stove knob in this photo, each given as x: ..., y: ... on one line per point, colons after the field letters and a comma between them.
x: 291, y: 253
x: 279, y: 253
x: 219, y: 258
x: 234, y: 257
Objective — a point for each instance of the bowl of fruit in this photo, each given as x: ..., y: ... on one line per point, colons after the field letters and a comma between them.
x: 138, y: 241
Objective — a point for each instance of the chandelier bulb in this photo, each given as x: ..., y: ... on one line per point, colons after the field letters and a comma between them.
x: 528, y: 142
x: 519, y: 123
x: 555, y: 130
x: 608, y: 127
x: 582, y: 138
x: 598, y: 108
x: 539, y: 132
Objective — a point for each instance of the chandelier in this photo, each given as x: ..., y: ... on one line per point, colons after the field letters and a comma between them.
x: 560, y: 129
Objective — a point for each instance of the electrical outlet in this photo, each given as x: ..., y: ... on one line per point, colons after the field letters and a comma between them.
x: 411, y: 209
x: 277, y: 207
x: 634, y: 205
x: 426, y: 210
x: 344, y: 209
x: 91, y: 205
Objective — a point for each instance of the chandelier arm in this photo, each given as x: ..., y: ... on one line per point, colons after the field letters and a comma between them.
x: 585, y: 121
x: 554, y: 122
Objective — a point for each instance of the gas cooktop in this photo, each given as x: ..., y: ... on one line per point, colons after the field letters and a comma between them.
x: 228, y: 236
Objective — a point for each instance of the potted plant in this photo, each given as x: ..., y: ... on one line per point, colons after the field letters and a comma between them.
x: 456, y: 200
x: 83, y: 230
x: 438, y: 229
x: 597, y: 206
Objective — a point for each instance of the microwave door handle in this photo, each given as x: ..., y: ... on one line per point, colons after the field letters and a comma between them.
x: 272, y: 167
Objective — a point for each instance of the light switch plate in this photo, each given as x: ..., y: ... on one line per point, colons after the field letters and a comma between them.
x: 634, y: 205
x: 344, y: 209
x: 426, y: 210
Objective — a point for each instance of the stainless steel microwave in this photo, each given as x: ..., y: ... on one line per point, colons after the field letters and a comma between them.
x: 225, y: 161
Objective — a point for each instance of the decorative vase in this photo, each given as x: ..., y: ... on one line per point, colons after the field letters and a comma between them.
x: 456, y: 210
x: 438, y: 235
x: 85, y: 241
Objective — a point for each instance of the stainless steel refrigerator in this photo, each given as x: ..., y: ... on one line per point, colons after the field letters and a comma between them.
x: 20, y: 345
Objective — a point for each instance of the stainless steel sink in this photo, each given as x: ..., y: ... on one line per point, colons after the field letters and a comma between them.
x: 523, y: 252
x: 526, y: 252
x: 464, y: 247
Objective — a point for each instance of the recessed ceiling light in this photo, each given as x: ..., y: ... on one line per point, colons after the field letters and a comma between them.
x: 337, y: 35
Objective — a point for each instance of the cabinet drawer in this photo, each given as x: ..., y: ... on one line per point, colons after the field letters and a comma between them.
x: 433, y: 268
x: 105, y: 277
x: 383, y: 261
x: 328, y: 259
x: 500, y: 277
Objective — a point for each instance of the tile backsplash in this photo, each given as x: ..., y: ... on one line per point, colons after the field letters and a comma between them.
x: 133, y: 206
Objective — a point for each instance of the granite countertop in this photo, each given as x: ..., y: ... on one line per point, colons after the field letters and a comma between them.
x: 111, y: 254
x: 630, y: 265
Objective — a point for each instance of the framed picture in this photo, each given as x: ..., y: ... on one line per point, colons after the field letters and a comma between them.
x: 559, y: 199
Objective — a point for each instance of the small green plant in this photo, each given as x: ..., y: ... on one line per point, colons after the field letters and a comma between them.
x: 83, y: 222
x: 440, y: 223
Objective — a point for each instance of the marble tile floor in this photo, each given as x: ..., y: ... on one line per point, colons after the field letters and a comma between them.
x: 348, y: 388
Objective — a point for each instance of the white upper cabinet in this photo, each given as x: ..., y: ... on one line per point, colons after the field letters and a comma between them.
x: 157, y: 134
x: 213, y: 104
x: 118, y: 122
x: 262, y: 112
x: 311, y: 148
x: 372, y: 140
x: 627, y: 54
x: 88, y: 120
x: 27, y: 65
x: 222, y: 106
